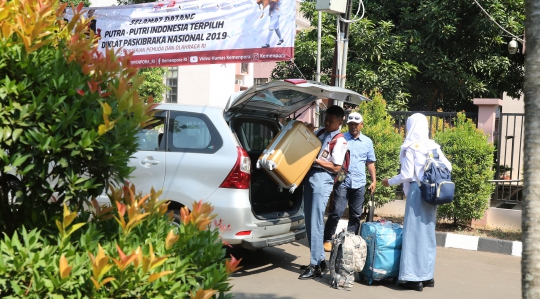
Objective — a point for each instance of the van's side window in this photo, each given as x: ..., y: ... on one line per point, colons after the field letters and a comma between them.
x: 150, y: 138
x: 257, y: 135
x: 192, y: 132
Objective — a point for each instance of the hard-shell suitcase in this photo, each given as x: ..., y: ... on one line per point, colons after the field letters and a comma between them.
x: 383, y: 240
x: 290, y: 155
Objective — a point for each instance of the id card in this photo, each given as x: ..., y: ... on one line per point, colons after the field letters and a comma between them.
x: 325, y: 154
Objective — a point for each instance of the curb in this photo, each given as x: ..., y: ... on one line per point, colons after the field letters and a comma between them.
x: 451, y: 240
x: 478, y: 243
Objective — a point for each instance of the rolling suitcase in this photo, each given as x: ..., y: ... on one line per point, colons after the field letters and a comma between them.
x: 290, y: 155
x: 383, y: 239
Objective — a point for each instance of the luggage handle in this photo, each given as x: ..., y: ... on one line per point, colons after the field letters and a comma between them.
x: 371, y: 211
x: 371, y: 208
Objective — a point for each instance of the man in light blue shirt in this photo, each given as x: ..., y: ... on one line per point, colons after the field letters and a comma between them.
x: 352, y: 189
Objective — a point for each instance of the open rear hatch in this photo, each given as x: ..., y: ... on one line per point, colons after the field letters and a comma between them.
x: 279, y: 99
x: 253, y: 114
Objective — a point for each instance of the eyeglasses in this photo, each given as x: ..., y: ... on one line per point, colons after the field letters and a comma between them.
x: 354, y: 117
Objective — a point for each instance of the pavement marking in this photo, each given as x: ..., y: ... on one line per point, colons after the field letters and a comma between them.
x: 461, y: 241
x: 517, y: 247
x: 466, y: 242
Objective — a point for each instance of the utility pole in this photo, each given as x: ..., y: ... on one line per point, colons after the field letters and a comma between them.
x: 318, y: 75
x: 339, y: 63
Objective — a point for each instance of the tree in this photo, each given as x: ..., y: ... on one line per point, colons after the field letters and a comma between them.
x: 76, y: 2
x: 423, y: 55
x: 366, y: 70
x: 530, y: 262
x: 154, y: 81
x: 387, y: 140
x: 153, y: 85
x: 459, y: 52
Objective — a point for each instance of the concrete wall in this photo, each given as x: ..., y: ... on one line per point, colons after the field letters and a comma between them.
x: 206, y: 84
x: 263, y: 69
x: 513, y: 105
x: 493, y: 217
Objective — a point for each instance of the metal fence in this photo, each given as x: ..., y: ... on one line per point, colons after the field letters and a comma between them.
x: 437, y: 120
x: 509, y: 158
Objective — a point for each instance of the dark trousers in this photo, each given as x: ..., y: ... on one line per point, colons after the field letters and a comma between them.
x: 342, y: 196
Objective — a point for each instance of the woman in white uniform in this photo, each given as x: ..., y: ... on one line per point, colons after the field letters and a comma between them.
x: 417, y: 264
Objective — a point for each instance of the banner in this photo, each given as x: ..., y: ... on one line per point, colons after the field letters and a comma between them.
x: 191, y: 32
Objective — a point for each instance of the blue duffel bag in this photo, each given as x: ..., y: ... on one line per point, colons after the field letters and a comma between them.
x: 383, y: 239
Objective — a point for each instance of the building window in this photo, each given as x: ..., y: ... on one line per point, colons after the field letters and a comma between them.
x: 260, y: 81
x: 172, y: 83
x: 244, y: 67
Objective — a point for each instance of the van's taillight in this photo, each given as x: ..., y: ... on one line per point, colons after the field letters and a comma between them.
x: 240, y: 175
x: 243, y: 233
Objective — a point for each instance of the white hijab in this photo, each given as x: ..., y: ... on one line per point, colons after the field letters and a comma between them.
x: 418, y: 135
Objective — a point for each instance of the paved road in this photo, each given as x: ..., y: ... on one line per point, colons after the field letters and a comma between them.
x: 272, y: 273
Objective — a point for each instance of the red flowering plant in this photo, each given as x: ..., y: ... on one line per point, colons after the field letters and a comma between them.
x: 69, y: 113
x: 130, y: 249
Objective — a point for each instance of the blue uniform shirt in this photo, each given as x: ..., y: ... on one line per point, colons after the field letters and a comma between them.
x: 362, y: 151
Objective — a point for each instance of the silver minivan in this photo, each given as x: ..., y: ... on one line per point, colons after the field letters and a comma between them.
x: 209, y: 153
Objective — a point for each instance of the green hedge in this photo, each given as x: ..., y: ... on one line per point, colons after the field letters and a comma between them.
x: 379, y: 126
x: 471, y: 156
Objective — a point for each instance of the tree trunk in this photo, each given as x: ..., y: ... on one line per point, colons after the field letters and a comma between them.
x: 530, y: 262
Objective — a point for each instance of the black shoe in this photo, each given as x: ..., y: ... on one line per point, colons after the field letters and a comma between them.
x: 266, y: 46
x: 311, y: 272
x: 280, y: 42
x: 413, y: 285
x: 322, y: 265
x: 429, y: 283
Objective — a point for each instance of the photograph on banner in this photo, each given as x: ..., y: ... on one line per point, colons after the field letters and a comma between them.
x: 197, y: 32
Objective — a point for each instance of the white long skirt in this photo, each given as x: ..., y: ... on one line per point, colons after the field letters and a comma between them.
x: 419, y: 243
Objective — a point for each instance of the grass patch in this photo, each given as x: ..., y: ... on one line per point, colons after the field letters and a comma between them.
x: 448, y: 227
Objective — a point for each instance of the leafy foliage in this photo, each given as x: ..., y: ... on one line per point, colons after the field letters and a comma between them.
x: 154, y: 82
x: 421, y: 55
x: 76, y: 2
x: 366, y: 70
x: 129, y: 250
x: 68, y: 115
x: 459, y: 52
x: 471, y: 156
x: 379, y: 126
x: 153, y: 85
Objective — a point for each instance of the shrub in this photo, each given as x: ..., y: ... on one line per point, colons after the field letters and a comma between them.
x: 379, y: 126
x: 154, y: 83
x: 129, y: 250
x: 471, y: 156
x: 68, y: 115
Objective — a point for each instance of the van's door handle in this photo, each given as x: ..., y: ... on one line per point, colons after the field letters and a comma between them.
x: 149, y: 161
